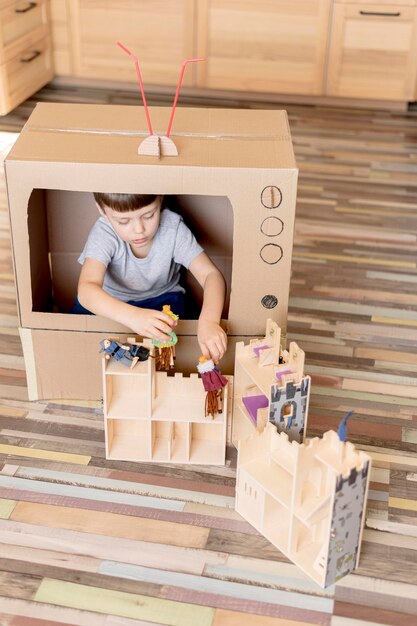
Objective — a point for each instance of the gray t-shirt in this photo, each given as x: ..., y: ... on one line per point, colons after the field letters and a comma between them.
x: 129, y: 278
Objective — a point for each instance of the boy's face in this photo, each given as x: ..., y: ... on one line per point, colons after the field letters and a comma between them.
x: 137, y: 228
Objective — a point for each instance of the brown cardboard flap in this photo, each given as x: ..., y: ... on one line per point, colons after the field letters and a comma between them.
x: 66, y: 364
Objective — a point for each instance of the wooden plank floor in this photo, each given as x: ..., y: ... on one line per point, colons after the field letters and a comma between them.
x: 89, y: 542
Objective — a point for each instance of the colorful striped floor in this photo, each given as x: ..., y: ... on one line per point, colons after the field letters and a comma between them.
x: 90, y: 542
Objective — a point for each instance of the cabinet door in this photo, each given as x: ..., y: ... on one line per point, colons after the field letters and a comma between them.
x: 373, y: 51
x: 275, y: 46
x: 20, y: 22
x: 158, y: 32
x: 23, y: 75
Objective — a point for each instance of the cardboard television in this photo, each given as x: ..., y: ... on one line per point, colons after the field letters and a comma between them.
x: 234, y: 181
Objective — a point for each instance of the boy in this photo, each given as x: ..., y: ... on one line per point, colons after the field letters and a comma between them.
x: 131, y: 267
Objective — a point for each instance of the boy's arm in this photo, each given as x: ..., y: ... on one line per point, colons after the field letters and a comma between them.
x: 211, y: 336
x: 145, y: 322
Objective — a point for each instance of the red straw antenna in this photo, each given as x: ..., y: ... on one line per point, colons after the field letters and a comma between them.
x: 136, y: 60
x: 156, y: 145
x: 177, y: 93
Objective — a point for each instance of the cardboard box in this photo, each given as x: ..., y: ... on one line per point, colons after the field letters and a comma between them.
x: 234, y: 181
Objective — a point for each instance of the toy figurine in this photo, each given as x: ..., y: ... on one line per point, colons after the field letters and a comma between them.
x: 165, y: 351
x: 140, y: 352
x: 213, y: 381
x: 127, y: 354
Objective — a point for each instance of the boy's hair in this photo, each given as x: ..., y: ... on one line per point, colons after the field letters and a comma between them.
x: 123, y: 201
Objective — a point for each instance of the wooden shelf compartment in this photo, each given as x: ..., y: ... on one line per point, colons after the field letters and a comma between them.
x: 183, y: 442
x: 283, y: 457
x: 242, y: 425
x: 315, y: 483
x: 309, y: 548
x: 244, y: 385
x: 208, y: 443
x: 171, y: 442
x: 273, y: 479
x: 162, y: 435
x: 238, y: 403
x: 124, y: 398
x: 276, y: 526
x: 261, y: 376
x: 312, y: 507
x: 305, y: 559
x: 180, y: 446
x: 182, y: 399
x: 254, y: 405
x: 182, y: 409
x: 128, y: 440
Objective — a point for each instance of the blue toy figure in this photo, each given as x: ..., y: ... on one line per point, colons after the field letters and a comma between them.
x: 126, y: 354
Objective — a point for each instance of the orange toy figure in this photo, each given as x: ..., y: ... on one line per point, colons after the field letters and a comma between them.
x: 213, y: 381
x: 165, y: 351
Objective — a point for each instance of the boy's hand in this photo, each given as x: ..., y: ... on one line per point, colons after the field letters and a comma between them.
x: 212, y: 339
x: 151, y: 323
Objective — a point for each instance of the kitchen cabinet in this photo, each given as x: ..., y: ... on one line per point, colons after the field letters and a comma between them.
x: 158, y: 32
x: 373, y: 51
x: 25, y: 51
x: 309, y: 50
x: 273, y: 46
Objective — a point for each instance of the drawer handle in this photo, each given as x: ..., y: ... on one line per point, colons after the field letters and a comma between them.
x: 33, y: 55
x: 29, y: 7
x: 380, y: 13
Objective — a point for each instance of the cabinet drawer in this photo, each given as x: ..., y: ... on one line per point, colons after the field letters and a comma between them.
x: 18, y: 22
x: 382, y: 16
x: 380, y: 5
x: 373, y: 52
x: 25, y: 74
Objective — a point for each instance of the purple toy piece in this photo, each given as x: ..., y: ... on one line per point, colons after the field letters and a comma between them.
x: 253, y: 403
x: 258, y: 349
x: 278, y: 375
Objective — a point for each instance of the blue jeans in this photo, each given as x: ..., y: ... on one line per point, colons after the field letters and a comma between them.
x: 175, y: 299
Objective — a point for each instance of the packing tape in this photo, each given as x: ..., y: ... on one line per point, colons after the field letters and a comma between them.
x: 129, y: 133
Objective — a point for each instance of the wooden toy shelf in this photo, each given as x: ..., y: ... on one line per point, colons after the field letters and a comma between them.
x: 150, y: 416
x: 300, y: 496
x: 269, y: 385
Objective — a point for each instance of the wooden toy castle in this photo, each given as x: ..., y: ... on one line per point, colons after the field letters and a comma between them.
x: 269, y: 385
x: 307, y: 499
x: 153, y: 416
